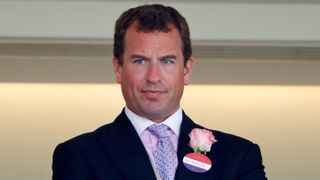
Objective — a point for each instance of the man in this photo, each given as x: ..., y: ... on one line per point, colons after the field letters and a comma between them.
x: 152, y: 62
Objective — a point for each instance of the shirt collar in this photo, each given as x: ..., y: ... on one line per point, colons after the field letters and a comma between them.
x: 141, y: 123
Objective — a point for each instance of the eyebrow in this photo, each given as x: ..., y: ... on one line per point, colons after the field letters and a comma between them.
x: 169, y: 57
x: 136, y: 56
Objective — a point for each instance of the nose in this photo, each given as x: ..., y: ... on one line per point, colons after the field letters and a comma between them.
x: 153, y: 73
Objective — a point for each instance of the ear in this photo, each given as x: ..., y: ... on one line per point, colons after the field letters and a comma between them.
x: 188, y: 71
x: 117, y: 69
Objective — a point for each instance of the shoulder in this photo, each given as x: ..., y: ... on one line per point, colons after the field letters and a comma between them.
x: 229, y: 146
x: 236, y: 150
x: 92, y: 141
x: 77, y: 151
x: 226, y: 143
x: 82, y: 156
x: 104, y: 132
x: 234, y: 146
x: 87, y: 140
x: 238, y: 155
x: 230, y: 140
x: 82, y: 146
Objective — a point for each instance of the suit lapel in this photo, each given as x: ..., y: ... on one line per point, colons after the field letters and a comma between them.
x: 124, y: 147
x: 183, y: 148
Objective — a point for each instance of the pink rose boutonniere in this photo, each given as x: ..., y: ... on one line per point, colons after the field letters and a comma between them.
x: 201, y: 140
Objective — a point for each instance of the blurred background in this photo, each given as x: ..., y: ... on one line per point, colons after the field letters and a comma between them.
x: 256, y: 75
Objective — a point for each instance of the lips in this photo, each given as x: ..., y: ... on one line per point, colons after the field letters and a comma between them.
x: 150, y: 93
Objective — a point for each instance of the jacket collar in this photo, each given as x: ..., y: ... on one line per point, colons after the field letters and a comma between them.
x: 124, y: 147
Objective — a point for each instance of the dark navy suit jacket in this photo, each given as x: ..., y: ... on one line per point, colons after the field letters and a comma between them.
x: 115, y: 151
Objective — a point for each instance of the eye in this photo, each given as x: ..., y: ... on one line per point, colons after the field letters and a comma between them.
x: 167, y: 61
x: 139, y: 61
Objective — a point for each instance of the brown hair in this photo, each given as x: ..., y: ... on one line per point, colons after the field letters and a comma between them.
x: 154, y: 17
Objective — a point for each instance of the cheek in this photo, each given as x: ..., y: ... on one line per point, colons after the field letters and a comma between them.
x: 176, y: 85
x: 179, y: 82
x: 131, y: 82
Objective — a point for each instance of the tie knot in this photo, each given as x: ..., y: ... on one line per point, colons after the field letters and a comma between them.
x: 160, y: 131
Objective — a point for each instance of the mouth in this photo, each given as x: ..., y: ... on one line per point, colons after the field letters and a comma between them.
x: 152, y: 94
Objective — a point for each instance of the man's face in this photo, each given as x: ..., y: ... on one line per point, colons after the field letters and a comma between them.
x: 153, y: 74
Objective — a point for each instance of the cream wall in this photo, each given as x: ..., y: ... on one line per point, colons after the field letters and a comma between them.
x: 283, y: 120
x: 234, y: 20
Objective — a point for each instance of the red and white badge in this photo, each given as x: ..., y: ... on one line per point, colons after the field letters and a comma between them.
x: 197, y: 162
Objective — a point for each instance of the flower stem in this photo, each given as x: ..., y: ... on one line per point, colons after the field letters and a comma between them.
x: 197, y: 150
